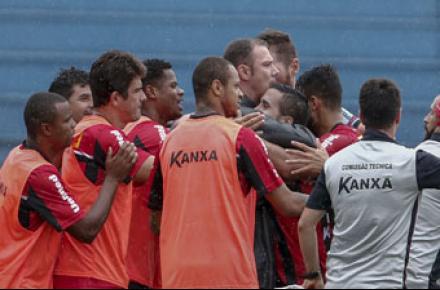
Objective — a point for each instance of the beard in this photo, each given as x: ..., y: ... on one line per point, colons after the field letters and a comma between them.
x: 428, y: 133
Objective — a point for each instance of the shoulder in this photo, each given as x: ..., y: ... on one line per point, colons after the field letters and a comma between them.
x: 44, y: 176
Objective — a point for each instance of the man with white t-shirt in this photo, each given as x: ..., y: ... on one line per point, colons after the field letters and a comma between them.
x: 373, y: 187
x: 423, y: 269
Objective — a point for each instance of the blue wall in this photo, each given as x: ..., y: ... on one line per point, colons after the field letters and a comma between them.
x: 398, y: 39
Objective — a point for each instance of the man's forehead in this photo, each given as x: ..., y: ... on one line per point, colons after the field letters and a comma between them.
x: 169, y: 74
x: 233, y: 73
x: 62, y: 108
x: 273, y: 94
x: 261, y: 53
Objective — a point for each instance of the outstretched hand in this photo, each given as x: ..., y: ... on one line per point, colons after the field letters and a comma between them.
x: 252, y: 121
x: 306, y: 162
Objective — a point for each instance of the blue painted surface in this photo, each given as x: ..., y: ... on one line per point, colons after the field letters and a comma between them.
x: 399, y: 39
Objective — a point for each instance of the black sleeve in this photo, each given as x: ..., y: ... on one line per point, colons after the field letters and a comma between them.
x: 428, y: 170
x: 283, y: 134
x: 320, y: 198
x: 156, y: 196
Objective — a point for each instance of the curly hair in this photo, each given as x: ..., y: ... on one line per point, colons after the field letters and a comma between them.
x: 155, y: 71
x: 67, y: 79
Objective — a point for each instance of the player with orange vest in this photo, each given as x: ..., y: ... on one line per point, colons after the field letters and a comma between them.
x: 115, y: 80
x: 36, y: 206
x: 161, y: 106
x: 204, y: 175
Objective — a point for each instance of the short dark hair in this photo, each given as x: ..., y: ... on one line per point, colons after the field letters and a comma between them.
x: 155, y: 71
x: 239, y: 51
x: 293, y: 103
x: 282, y: 43
x: 113, y: 71
x: 380, y: 103
x: 67, y: 79
x: 323, y: 82
x: 208, y: 70
x: 40, y: 108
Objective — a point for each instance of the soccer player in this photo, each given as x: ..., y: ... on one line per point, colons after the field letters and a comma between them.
x: 37, y: 207
x: 284, y: 55
x: 73, y: 84
x: 256, y: 70
x: 255, y: 67
x: 373, y: 187
x: 286, y: 104
x: 161, y: 106
x: 423, y: 265
x: 323, y: 89
x: 203, y: 186
x: 287, y: 62
x: 116, y: 84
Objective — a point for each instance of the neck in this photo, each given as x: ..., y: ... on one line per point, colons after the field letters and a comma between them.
x: 111, y: 116
x: 151, y: 112
x: 391, y: 132
x: 248, y: 92
x: 207, y: 107
x: 51, y: 154
x: 329, y: 119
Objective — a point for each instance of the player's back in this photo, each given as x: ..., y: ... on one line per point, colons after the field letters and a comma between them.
x: 207, y: 222
x: 373, y: 190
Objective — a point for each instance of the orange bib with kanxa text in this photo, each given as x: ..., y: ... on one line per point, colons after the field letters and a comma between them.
x: 27, y: 258
x: 208, y: 221
x: 105, y: 258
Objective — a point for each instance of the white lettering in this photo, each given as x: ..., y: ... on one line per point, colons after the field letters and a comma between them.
x: 118, y: 136
x: 64, y: 196
x: 161, y: 131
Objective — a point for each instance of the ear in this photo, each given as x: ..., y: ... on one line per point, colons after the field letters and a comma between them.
x: 286, y: 120
x: 217, y: 88
x: 362, y: 117
x: 115, y: 98
x: 399, y: 117
x: 151, y: 92
x: 46, y: 129
x: 315, y: 103
x: 244, y: 72
x: 294, y: 67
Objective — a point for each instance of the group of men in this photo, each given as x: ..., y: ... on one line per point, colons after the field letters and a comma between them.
x: 113, y: 188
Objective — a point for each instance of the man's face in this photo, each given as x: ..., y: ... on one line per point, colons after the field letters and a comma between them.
x: 431, y: 119
x: 264, y: 72
x: 81, y: 102
x: 283, y: 76
x: 132, y: 105
x: 230, y: 101
x: 170, y: 97
x: 63, y: 126
x: 270, y: 103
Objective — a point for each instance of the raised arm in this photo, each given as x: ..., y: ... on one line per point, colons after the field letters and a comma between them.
x: 117, y: 169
